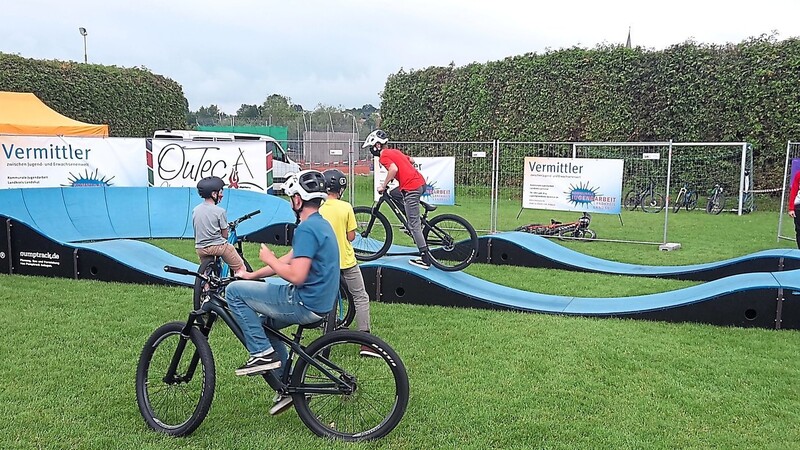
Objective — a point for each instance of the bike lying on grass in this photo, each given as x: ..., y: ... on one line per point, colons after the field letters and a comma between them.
x: 336, y: 393
x: 452, y: 241
x: 344, y: 312
x: 576, y: 230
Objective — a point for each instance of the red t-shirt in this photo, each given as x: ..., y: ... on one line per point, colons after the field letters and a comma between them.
x: 407, y: 176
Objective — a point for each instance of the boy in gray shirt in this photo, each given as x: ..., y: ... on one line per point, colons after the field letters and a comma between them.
x: 211, y: 226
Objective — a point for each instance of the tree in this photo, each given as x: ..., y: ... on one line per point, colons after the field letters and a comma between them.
x: 249, y: 111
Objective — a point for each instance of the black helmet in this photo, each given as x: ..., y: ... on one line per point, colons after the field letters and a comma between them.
x: 208, y: 185
x: 335, y: 181
x: 309, y: 184
x: 376, y: 137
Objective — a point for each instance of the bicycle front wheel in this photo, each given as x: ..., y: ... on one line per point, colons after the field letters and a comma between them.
x: 373, y: 234
x: 176, y: 403
x: 631, y: 200
x: 716, y: 203
x: 680, y: 201
x: 653, y: 203
x: 370, y: 396
x: 452, y: 242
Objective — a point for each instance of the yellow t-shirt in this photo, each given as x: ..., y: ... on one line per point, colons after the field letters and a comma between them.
x: 340, y: 215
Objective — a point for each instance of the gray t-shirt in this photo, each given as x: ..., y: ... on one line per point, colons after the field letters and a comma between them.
x: 209, y: 220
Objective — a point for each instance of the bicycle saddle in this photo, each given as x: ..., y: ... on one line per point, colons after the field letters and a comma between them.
x: 428, y: 208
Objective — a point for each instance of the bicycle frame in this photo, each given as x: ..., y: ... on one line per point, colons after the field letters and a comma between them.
x: 216, y: 307
x: 233, y: 239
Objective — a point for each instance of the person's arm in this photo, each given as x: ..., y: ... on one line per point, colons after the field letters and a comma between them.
x: 266, y: 271
x: 224, y: 233
x: 351, y: 235
x: 793, y: 194
x: 391, y: 172
x: 293, y: 270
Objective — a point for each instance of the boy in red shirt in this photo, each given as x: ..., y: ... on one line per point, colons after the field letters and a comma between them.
x: 400, y: 167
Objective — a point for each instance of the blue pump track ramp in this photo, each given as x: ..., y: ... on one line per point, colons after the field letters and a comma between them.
x: 763, y: 300
x: 529, y: 250
x: 87, y: 233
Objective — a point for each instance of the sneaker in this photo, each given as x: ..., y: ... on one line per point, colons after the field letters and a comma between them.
x: 259, y: 364
x: 369, y: 352
x: 282, y: 403
x: 419, y: 262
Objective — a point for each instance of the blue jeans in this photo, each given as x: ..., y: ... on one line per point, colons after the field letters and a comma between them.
x: 273, y: 299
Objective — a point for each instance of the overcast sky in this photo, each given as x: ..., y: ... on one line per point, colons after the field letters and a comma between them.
x: 340, y: 52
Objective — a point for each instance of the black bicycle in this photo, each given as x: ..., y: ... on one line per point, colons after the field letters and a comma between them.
x: 452, y: 241
x: 337, y: 393
x: 686, y: 198
x: 716, y: 201
x: 645, y: 197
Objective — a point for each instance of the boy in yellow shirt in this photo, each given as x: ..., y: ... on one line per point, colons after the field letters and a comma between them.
x: 343, y: 221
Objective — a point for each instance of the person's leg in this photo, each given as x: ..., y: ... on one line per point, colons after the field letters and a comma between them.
x: 244, y: 298
x: 232, y: 258
x: 355, y: 284
x: 397, y: 196
x: 411, y: 200
x: 797, y: 228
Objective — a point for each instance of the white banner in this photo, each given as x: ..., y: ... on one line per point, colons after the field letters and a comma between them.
x: 54, y: 161
x: 439, y: 173
x: 565, y: 184
x: 242, y: 165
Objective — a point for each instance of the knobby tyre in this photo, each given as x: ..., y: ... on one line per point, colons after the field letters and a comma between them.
x: 206, y: 267
x: 631, y: 200
x: 373, y: 234
x: 680, y: 201
x: 452, y: 242
x: 585, y: 234
x: 716, y: 203
x: 653, y: 203
x: 175, y: 406
x: 380, y: 391
x: 344, y: 309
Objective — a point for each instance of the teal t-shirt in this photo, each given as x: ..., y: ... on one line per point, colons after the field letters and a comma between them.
x: 314, y: 238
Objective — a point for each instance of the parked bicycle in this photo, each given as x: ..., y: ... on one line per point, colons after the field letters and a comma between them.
x: 452, y: 241
x: 336, y: 393
x: 578, y: 229
x: 686, y: 198
x: 645, y: 197
x: 716, y: 201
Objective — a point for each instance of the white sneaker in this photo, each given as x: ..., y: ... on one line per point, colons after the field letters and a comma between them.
x: 419, y: 262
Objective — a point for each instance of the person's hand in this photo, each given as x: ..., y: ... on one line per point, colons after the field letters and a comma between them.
x: 791, y: 213
x: 381, y: 189
x: 265, y: 254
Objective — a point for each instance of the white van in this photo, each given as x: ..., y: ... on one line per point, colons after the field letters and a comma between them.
x: 281, y: 163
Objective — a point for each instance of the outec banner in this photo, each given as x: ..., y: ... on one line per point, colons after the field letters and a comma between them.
x: 565, y: 184
x: 439, y: 173
x: 55, y: 161
x: 242, y: 165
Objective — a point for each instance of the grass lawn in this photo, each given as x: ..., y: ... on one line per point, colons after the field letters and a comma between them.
x: 479, y: 379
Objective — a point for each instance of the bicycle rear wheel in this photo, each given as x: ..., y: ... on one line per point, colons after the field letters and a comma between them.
x: 373, y: 234
x: 373, y: 394
x: 452, y: 242
x: 344, y: 310
x: 178, y: 404
x: 653, y: 202
x: 691, y: 201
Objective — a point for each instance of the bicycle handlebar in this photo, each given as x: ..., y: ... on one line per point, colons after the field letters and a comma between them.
x: 244, y: 217
x: 179, y: 271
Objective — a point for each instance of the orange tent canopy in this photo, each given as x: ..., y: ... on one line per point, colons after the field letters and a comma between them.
x: 24, y: 114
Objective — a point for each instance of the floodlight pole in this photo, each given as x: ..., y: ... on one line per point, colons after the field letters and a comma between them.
x: 84, y: 33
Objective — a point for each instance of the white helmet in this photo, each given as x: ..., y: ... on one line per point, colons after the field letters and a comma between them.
x: 376, y: 137
x: 309, y: 184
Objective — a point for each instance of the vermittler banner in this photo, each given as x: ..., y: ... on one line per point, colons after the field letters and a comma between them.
x: 439, y: 173
x: 566, y: 184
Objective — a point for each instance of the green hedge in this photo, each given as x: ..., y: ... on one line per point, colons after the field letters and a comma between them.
x: 689, y: 92
x: 133, y: 102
